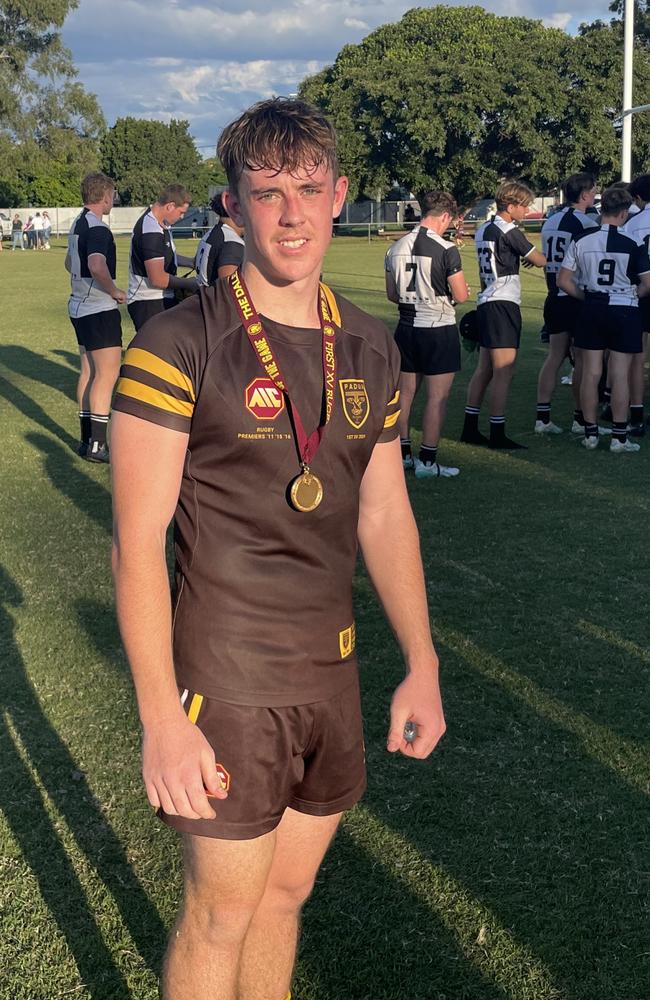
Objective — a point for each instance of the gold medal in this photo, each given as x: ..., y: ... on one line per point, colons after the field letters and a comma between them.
x: 306, y: 491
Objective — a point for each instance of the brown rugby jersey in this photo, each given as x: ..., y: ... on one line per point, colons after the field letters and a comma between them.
x: 263, y: 598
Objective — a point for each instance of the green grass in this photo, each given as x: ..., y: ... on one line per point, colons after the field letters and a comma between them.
x: 512, y: 865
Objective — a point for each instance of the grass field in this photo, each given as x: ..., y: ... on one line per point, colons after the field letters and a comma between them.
x: 512, y: 865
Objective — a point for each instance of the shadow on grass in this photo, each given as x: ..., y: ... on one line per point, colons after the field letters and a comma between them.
x: 39, y: 842
x: 70, y: 357
x: 64, y: 470
x: 36, y: 366
x: 99, y: 624
x: 31, y: 409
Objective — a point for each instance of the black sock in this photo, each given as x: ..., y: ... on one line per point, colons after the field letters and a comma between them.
x: 578, y: 417
x: 84, y: 425
x: 544, y: 412
x: 497, y: 427
x: 619, y: 430
x: 591, y: 430
x: 472, y: 414
x: 406, y: 447
x: 636, y: 414
x: 428, y: 455
x: 99, y: 426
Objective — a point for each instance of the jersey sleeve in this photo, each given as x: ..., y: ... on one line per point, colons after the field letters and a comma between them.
x: 391, y: 416
x: 153, y: 246
x: 163, y: 367
x: 519, y: 243
x: 232, y: 253
x: 641, y: 259
x: 98, y: 241
x: 570, y: 261
x: 453, y: 263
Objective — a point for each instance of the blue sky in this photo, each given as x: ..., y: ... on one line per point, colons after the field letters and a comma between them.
x: 168, y: 59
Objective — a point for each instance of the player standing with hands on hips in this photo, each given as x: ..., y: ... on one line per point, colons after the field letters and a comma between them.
x: 262, y: 413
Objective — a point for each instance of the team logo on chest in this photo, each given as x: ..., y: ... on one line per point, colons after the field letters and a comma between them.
x: 263, y: 399
x: 356, y: 404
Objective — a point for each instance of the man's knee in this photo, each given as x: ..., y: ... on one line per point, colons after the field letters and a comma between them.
x: 216, y: 921
x: 287, y: 895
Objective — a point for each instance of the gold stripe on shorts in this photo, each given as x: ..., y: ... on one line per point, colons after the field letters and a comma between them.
x: 195, y: 707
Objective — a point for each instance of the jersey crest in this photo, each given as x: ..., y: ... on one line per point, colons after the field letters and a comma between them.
x: 263, y: 399
x: 356, y: 404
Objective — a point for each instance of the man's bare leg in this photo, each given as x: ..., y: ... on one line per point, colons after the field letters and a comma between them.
x: 503, y: 370
x: 476, y: 390
x: 592, y: 367
x: 269, y: 950
x: 557, y: 352
x: 637, y: 388
x: 223, y: 885
x: 409, y: 383
x: 577, y: 377
x: 438, y: 389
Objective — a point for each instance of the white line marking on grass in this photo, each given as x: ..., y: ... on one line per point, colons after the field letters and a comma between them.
x: 624, y: 758
x: 481, y: 938
x: 614, y: 640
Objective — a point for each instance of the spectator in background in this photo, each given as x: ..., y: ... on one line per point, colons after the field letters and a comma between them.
x: 47, y: 230
x: 17, y: 242
x: 38, y: 232
x: 29, y: 231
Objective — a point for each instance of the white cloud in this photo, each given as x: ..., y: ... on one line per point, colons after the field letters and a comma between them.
x: 560, y: 19
x: 354, y: 22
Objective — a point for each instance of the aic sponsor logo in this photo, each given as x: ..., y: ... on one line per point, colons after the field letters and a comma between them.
x: 263, y: 399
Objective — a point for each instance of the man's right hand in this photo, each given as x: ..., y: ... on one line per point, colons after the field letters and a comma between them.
x: 119, y: 296
x: 178, y: 767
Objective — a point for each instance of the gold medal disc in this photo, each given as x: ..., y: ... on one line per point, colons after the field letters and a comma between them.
x: 306, y: 491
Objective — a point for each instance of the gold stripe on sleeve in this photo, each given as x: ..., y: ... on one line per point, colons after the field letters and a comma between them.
x: 391, y: 402
x: 331, y: 301
x: 149, y: 362
x: 161, y: 400
x: 391, y: 420
x: 195, y: 707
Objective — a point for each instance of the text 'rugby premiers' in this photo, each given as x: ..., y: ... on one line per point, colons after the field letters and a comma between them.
x: 608, y: 264
x: 420, y: 264
x: 263, y: 605
x: 557, y: 233
x: 89, y: 235
x: 218, y: 248
x: 150, y: 241
x: 500, y: 245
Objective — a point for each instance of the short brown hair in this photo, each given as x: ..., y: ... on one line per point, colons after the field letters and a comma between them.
x: 94, y: 187
x: 513, y: 193
x: 278, y: 134
x: 175, y: 194
x: 615, y: 199
x: 437, y: 203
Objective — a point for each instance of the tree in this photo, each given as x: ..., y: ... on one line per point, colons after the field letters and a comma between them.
x: 143, y: 156
x: 49, y: 126
x: 457, y: 98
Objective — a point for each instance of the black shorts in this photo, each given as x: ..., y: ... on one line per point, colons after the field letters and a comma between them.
x: 499, y: 324
x: 644, y: 312
x: 561, y: 313
x: 602, y: 327
x: 310, y: 758
x: 429, y: 350
x: 143, y: 309
x: 99, y: 330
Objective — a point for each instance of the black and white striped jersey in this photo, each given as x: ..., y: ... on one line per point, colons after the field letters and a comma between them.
x: 420, y: 264
x: 638, y: 227
x: 607, y: 261
x: 557, y: 233
x: 219, y: 247
x: 500, y: 245
x: 150, y: 241
x: 89, y: 235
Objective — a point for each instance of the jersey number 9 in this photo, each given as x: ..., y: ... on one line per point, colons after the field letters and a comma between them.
x: 606, y: 269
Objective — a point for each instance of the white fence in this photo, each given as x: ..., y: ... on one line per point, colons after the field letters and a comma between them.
x: 121, y: 220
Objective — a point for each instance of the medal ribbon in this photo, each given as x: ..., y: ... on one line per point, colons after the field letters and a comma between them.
x: 308, y: 444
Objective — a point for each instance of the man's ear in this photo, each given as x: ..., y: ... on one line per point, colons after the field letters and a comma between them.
x: 233, y: 206
x: 340, y: 193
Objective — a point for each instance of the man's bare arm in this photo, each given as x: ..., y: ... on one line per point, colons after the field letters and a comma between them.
x: 147, y: 466
x: 390, y: 545
x: 566, y: 281
x: 391, y: 288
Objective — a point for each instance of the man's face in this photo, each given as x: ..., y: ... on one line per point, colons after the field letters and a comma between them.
x: 172, y: 212
x: 288, y: 219
x: 588, y: 197
x: 517, y: 212
x: 107, y: 202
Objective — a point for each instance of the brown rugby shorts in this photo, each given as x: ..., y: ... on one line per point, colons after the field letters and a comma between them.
x: 310, y: 758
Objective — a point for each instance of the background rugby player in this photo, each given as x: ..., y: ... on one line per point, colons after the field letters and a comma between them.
x: 500, y: 246
x: 259, y: 677
x: 424, y: 277
x: 638, y: 227
x: 560, y: 309
x: 153, y: 261
x: 93, y: 310
x: 604, y: 267
x: 221, y: 250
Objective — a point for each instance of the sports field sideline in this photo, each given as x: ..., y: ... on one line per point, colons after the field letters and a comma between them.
x: 512, y: 865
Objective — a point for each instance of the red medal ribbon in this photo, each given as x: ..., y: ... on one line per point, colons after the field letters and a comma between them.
x: 308, y: 444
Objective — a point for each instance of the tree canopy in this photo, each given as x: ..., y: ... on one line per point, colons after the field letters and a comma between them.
x: 456, y: 98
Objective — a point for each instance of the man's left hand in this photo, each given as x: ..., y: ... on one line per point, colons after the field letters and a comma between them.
x: 417, y: 699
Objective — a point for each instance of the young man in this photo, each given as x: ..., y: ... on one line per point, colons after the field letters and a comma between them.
x: 638, y: 227
x: 94, y: 312
x: 263, y: 412
x: 424, y: 277
x: 153, y: 261
x: 560, y: 309
x: 221, y: 251
x: 500, y: 246
x: 603, y: 267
